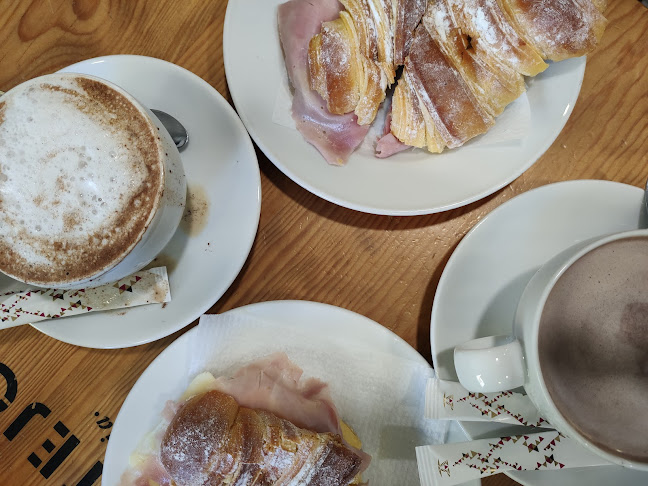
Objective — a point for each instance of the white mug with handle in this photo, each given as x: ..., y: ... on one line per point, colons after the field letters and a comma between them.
x: 498, y: 363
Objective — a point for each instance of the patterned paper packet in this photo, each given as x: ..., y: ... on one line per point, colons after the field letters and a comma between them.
x: 449, y: 464
x: 449, y: 400
x: 34, y: 305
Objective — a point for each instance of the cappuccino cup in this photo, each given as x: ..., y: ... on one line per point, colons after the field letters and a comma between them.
x: 91, y: 185
x: 579, y: 348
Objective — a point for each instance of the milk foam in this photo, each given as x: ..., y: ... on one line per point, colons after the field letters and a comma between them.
x: 68, y: 170
x: 593, y: 346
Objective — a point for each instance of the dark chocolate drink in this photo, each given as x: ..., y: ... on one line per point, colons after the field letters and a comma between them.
x: 593, y: 347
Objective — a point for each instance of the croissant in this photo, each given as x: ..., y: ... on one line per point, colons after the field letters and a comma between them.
x: 213, y: 441
x: 463, y: 61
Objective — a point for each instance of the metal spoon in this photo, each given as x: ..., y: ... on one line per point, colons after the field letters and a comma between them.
x: 178, y: 132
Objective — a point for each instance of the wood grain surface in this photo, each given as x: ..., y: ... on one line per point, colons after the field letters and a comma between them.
x: 386, y: 268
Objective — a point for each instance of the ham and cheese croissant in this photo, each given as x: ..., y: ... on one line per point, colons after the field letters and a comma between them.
x: 213, y: 441
x: 462, y: 61
x: 264, y: 425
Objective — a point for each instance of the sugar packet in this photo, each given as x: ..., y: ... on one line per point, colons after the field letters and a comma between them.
x: 450, y: 464
x: 28, y: 306
x: 448, y: 400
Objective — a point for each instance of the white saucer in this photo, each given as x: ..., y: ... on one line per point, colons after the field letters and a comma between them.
x: 484, y: 278
x: 408, y: 183
x: 221, y: 168
x: 313, y: 331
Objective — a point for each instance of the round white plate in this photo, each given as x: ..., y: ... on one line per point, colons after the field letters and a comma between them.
x: 485, y: 276
x: 166, y: 377
x: 409, y: 183
x: 222, y: 170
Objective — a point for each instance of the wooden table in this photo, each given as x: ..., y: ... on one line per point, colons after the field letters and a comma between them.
x: 396, y: 260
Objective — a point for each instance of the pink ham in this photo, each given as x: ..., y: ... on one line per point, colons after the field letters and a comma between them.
x: 151, y: 470
x: 274, y: 384
x: 335, y: 136
x: 388, y: 144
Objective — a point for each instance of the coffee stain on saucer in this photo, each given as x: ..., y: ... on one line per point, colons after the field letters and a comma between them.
x: 196, y: 212
x: 163, y: 260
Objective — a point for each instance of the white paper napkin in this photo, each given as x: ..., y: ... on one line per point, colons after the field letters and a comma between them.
x: 379, y: 394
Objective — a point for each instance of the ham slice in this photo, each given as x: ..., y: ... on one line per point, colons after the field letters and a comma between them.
x: 146, y: 467
x: 335, y: 136
x: 388, y: 144
x: 275, y: 384
x: 149, y: 473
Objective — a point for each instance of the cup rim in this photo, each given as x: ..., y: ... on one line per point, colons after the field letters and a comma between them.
x: 143, y: 110
x: 565, y: 426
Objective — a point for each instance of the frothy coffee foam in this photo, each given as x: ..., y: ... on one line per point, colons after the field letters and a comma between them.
x: 593, y: 347
x: 80, y: 177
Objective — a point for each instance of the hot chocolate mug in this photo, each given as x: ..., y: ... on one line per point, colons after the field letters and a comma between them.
x: 579, y: 347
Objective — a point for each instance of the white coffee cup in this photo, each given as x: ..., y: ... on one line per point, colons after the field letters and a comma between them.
x: 498, y: 363
x: 84, y: 145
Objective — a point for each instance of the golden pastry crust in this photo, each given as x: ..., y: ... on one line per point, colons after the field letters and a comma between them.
x: 334, y: 65
x: 411, y: 122
x: 351, y: 59
x: 492, y: 83
x: 407, y: 15
x: 457, y: 114
x: 600, y: 4
x: 558, y: 29
x: 213, y: 441
x: 490, y: 32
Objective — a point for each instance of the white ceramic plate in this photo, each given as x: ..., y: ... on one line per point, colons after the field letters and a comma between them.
x: 222, y: 173
x: 409, y: 183
x: 485, y: 276
x: 166, y: 377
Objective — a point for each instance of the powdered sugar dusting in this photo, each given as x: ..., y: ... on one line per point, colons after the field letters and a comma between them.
x: 559, y: 28
x: 490, y: 30
x: 442, y: 24
x: 444, y: 93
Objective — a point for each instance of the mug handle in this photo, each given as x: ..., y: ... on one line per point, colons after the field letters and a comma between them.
x: 490, y: 364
